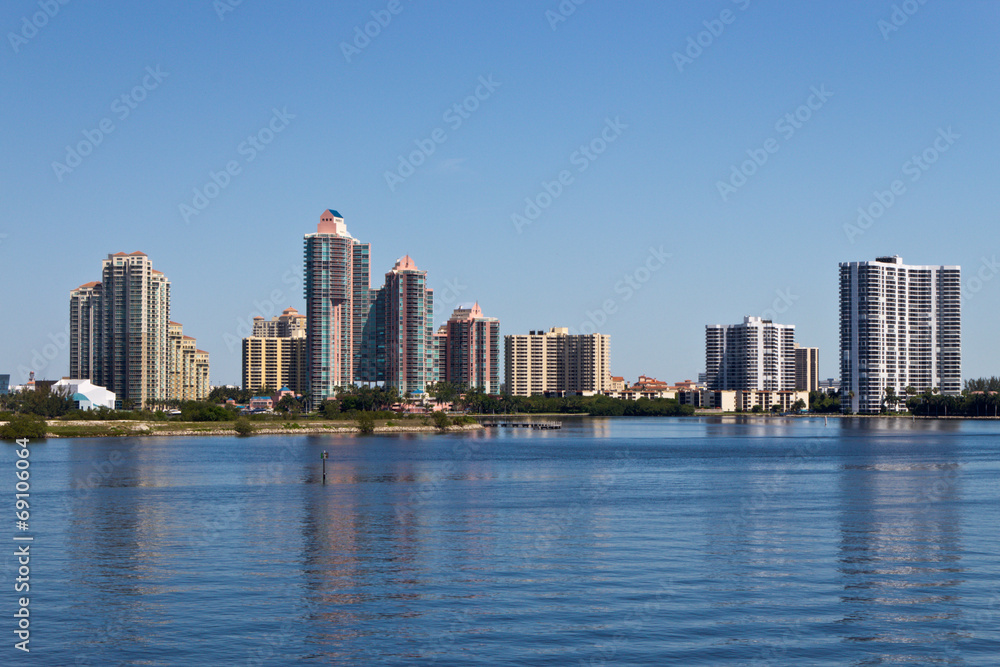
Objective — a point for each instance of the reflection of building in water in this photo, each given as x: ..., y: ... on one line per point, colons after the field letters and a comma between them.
x: 900, y: 539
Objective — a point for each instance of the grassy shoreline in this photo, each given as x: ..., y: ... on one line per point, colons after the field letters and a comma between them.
x: 56, y: 428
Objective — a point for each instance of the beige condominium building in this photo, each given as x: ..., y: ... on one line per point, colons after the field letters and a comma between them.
x: 275, y: 356
x: 187, y: 372
x: 556, y: 362
x: 806, y: 368
x: 120, y: 337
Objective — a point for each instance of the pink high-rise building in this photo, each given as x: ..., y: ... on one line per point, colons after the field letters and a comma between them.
x: 472, y: 350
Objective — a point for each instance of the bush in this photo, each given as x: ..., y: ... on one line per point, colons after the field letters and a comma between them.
x: 365, y: 422
x: 23, y: 426
x: 441, y: 420
x: 330, y: 409
x: 243, y: 427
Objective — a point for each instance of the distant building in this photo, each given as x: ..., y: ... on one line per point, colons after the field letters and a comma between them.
x: 276, y: 354
x: 339, y: 301
x: 555, y: 362
x: 85, y: 394
x: 806, y: 368
x: 120, y: 333
x: 261, y: 403
x: 409, y: 328
x: 647, y: 387
x: 290, y: 324
x: 900, y: 326
x: 755, y: 355
x: 440, y: 344
x: 187, y: 366
x: 719, y: 399
x: 829, y: 386
x: 617, y: 384
x: 472, y: 349
x: 765, y: 400
x: 4, y: 384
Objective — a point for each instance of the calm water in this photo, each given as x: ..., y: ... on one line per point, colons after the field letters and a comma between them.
x: 645, y: 541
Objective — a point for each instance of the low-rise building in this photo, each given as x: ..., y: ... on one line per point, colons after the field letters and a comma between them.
x: 85, y: 394
x: 723, y: 400
x: 785, y: 399
x: 261, y: 403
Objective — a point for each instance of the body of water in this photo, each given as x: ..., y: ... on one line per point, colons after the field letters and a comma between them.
x: 715, y: 541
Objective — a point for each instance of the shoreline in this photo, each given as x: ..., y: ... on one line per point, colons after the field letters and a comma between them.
x: 121, y: 428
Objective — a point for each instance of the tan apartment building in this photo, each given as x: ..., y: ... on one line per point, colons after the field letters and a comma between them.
x: 806, y: 368
x: 555, y: 362
x: 187, y: 366
x: 276, y: 355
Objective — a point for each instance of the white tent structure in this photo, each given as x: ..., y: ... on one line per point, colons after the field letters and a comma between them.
x: 86, y: 394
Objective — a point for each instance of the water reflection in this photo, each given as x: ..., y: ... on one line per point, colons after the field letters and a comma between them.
x: 900, y: 545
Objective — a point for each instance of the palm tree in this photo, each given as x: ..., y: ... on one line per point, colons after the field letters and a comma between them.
x: 890, y: 397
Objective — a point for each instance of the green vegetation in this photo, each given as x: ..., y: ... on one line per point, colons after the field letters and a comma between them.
x: 23, y: 426
x: 39, y: 402
x: 440, y: 420
x: 365, y: 422
x: 243, y: 427
x: 330, y: 410
x: 823, y: 403
x: 478, y: 402
x: 982, y: 384
x: 367, y: 398
x: 933, y: 404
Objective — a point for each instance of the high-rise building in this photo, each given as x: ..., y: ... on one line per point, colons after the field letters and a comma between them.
x: 471, y: 349
x: 120, y: 333
x: 409, y: 328
x: 900, y: 327
x: 555, y: 362
x: 356, y: 334
x: 276, y: 355
x: 86, y: 332
x: 290, y: 324
x: 757, y: 354
x: 806, y: 368
x: 187, y: 366
x: 338, y: 303
x: 440, y: 350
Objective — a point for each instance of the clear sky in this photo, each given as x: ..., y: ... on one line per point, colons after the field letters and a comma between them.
x: 640, y: 109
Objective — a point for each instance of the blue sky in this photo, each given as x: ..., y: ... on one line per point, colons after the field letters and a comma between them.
x: 640, y: 137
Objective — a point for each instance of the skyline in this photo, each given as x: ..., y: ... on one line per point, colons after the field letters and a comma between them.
x: 552, y: 167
